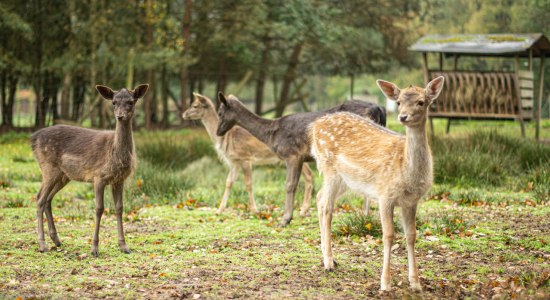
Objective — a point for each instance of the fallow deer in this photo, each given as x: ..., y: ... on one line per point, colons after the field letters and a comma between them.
x: 238, y: 148
x: 67, y: 153
x: 395, y: 170
x: 287, y: 136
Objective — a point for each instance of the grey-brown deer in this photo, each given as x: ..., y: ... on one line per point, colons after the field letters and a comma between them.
x: 287, y: 136
x: 239, y: 149
x: 67, y: 153
x: 395, y: 170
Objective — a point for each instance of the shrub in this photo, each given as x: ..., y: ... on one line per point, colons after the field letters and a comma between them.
x: 485, y: 158
x: 358, y: 224
x: 173, y: 151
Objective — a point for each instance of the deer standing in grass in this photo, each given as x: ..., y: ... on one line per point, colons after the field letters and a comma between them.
x: 103, y: 158
x: 287, y: 136
x: 395, y: 170
x: 238, y: 148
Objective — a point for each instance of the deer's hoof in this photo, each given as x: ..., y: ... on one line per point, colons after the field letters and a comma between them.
x: 219, y: 212
x: 385, y: 287
x: 285, y: 222
x: 330, y: 264
x: 416, y: 286
x: 95, y: 253
x: 42, y: 247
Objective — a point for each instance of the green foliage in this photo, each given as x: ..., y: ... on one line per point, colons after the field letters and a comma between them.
x: 171, y: 151
x: 538, y: 180
x: 485, y: 158
x: 357, y: 224
x: 446, y: 223
x: 12, y: 137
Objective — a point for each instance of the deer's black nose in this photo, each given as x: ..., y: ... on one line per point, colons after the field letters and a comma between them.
x: 403, y: 118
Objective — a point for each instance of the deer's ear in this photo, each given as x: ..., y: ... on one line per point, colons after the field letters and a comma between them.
x: 390, y: 90
x: 140, y: 90
x: 434, y: 87
x: 105, y: 92
x: 199, y: 97
x: 222, y: 98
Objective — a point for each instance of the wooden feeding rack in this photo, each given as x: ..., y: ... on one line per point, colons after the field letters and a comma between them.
x: 477, y: 94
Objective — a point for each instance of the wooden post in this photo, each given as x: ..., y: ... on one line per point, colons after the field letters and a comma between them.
x: 539, y: 104
x: 518, y: 95
x: 425, y: 67
x: 426, y: 80
x: 455, y: 64
x: 351, y: 83
x: 530, y: 62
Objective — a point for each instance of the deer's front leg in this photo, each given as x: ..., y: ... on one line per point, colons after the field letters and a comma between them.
x: 231, y: 177
x: 386, y: 218
x: 409, y: 226
x: 99, y: 188
x: 118, y: 190
x: 293, y: 170
x: 247, y: 171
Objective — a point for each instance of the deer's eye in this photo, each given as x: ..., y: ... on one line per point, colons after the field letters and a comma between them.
x: 420, y: 103
x: 398, y: 103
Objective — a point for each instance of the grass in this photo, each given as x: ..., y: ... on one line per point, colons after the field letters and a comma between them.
x: 482, y: 229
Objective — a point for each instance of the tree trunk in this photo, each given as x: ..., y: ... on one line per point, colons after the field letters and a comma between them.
x: 184, y: 72
x: 66, y: 97
x: 3, y: 99
x: 288, y: 78
x: 79, y: 91
x: 164, y: 97
x: 262, y: 73
x: 7, y: 105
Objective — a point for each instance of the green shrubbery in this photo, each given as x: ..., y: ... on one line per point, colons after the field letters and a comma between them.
x: 488, y: 159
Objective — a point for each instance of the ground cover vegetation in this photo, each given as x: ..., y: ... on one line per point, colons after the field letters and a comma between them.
x: 483, y: 229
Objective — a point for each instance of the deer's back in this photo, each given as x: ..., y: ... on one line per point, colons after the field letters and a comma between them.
x: 77, y: 152
x: 363, y: 153
x: 290, y: 133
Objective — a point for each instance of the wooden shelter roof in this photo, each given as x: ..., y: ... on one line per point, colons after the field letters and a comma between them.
x: 506, y: 44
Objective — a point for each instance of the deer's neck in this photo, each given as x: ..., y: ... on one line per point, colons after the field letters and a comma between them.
x: 418, y: 157
x: 123, y: 144
x: 210, y: 121
x: 256, y: 125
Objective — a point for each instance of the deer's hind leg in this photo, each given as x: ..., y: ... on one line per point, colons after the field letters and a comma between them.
x: 49, y: 216
x: 48, y: 185
x: 308, y: 190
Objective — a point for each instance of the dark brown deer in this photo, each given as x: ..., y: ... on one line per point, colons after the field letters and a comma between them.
x: 287, y: 136
x: 238, y: 148
x: 103, y: 158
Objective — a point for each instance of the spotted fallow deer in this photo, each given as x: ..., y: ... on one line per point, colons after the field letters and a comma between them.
x: 239, y: 149
x: 287, y: 136
x: 67, y: 153
x: 395, y: 170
